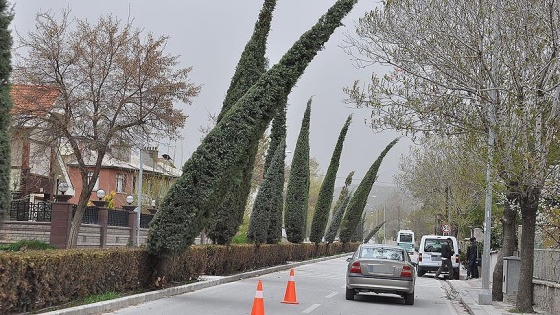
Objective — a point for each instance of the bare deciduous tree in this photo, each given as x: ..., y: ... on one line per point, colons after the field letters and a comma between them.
x: 476, y: 68
x: 116, y: 85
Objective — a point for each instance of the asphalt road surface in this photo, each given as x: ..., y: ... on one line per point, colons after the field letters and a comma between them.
x: 320, y: 289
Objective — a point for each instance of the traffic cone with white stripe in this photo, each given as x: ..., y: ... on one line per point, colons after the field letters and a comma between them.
x: 290, y: 296
x: 258, y: 302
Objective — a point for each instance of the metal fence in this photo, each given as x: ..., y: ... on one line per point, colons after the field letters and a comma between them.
x: 23, y: 210
x: 117, y: 218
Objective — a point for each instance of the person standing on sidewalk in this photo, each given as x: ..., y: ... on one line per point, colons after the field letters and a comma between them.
x: 446, y: 253
x: 472, y: 254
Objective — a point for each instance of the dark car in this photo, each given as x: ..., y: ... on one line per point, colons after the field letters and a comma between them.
x: 381, y: 268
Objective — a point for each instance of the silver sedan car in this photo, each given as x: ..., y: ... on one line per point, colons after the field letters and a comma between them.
x: 381, y: 268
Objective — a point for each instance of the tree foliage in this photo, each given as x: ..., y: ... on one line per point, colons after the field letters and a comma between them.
x: 446, y: 175
x: 116, y: 85
x: 181, y: 216
x: 374, y: 231
x: 6, y: 16
x: 266, y: 203
x: 228, y: 215
x: 339, y: 209
x: 359, y: 198
x: 297, y: 193
x: 324, y: 200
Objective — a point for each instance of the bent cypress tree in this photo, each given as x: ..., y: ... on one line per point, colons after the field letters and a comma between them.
x: 232, y: 197
x: 182, y: 214
x: 359, y: 199
x: 339, y: 209
x: 324, y: 200
x: 297, y: 192
x: 338, y: 214
x: 265, y: 201
x: 277, y: 139
x: 6, y: 17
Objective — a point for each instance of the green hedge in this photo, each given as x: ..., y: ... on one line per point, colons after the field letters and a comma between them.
x: 38, y: 279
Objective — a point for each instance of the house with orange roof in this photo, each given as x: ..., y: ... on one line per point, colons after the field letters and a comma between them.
x: 39, y: 165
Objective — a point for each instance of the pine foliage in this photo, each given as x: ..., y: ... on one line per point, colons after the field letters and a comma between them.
x: 265, y: 203
x: 277, y: 139
x: 182, y: 215
x: 228, y: 216
x: 325, y: 197
x: 6, y: 16
x: 359, y: 199
x: 297, y: 193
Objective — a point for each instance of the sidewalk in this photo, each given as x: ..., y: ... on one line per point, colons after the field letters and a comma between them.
x: 467, y: 292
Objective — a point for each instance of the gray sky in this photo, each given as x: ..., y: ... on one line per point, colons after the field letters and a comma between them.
x: 210, y: 35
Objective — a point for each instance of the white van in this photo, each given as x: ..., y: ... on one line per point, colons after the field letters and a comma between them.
x: 429, y: 254
x: 405, y: 239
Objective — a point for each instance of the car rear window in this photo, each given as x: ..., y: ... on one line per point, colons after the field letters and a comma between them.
x: 382, y: 253
x: 434, y: 245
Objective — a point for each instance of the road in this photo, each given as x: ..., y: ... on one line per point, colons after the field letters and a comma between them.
x: 319, y: 290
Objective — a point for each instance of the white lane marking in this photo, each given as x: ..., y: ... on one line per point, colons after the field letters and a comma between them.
x: 311, y: 308
x: 331, y: 295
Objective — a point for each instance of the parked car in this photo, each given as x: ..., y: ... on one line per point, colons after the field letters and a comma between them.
x: 429, y: 255
x: 380, y: 268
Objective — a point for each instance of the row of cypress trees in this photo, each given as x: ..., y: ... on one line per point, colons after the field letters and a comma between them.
x: 186, y: 209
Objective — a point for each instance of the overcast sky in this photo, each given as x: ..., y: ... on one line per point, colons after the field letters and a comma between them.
x: 209, y: 35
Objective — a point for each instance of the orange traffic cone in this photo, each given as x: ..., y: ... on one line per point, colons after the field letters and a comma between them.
x: 290, y: 296
x: 258, y: 302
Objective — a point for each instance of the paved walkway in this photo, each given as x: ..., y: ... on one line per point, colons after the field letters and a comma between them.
x: 467, y: 292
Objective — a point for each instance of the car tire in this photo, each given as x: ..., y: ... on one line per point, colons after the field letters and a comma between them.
x: 409, y: 298
x: 421, y: 272
x: 456, y: 273
x: 350, y: 294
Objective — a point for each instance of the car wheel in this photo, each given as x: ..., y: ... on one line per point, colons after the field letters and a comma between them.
x: 409, y: 298
x: 456, y: 273
x: 421, y: 272
x: 350, y: 294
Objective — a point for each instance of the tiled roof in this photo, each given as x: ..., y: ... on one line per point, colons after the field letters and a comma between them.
x: 33, y: 99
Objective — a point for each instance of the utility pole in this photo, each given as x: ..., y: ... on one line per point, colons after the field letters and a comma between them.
x: 485, y: 297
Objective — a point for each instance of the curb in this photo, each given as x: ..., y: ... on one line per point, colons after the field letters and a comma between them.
x: 131, y: 300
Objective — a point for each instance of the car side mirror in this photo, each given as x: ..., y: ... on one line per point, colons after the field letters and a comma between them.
x: 414, y: 263
x: 348, y: 259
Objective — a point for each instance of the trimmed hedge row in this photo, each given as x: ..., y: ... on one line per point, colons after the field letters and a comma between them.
x: 39, y: 279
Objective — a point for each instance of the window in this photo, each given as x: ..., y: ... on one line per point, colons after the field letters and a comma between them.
x: 96, y: 186
x: 120, y: 183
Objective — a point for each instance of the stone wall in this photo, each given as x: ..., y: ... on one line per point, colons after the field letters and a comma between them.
x: 546, y: 280
x: 13, y: 231
x: 89, y: 236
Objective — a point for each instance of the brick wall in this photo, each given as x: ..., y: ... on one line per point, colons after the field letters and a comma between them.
x: 13, y: 231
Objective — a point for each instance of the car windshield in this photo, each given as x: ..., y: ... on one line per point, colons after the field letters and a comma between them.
x: 382, y: 253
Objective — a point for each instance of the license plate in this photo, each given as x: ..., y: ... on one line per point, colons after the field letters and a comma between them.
x: 370, y: 268
x: 436, y: 258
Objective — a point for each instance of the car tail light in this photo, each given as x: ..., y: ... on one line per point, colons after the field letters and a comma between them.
x: 356, y: 268
x: 406, y: 272
x: 419, y: 257
x: 457, y: 259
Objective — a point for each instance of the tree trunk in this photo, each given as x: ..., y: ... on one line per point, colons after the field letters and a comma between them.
x: 528, y: 205
x: 508, y: 245
x: 72, y: 241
